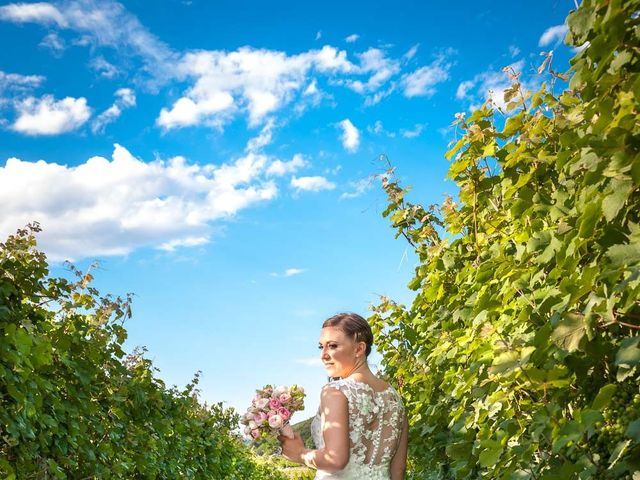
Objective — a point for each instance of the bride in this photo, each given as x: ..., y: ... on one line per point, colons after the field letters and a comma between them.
x: 360, y: 430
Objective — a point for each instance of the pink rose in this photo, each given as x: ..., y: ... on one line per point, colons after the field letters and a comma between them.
x: 255, y: 433
x: 284, y: 413
x: 284, y: 398
x: 260, y: 418
x: 276, y: 421
x: 275, y: 404
x: 271, y: 413
x: 262, y: 403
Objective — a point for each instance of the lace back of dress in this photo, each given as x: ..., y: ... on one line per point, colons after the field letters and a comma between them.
x: 375, y: 422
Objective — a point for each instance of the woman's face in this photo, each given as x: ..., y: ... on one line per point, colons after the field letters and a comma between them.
x: 338, y: 351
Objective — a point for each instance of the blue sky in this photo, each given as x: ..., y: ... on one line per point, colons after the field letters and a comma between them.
x: 218, y: 158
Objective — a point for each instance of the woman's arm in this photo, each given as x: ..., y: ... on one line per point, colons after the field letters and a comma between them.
x: 399, y: 461
x: 334, y: 456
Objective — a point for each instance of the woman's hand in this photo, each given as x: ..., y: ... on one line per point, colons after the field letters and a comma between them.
x: 292, y: 448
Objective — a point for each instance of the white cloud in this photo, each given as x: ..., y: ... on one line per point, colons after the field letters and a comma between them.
x: 553, y: 35
x: 382, y: 69
x: 312, y: 184
x: 514, y: 51
x: 312, y: 89
x: 187, y: 112
x: 464, y: 88
x: 125, y: 98
x: 318, y: 35
x: 422, y: 81
x: 111, y: 207
x: 352, y: 38
x: 257, y: 81
x: 40, y: 12
x: 172, y: 245
x: 47, y: 116
x: 15, y: 81
x: 490, y: 85
x: 350, y: 135
x: 359, y: 188
x: 263, y: 139
x: 53, y: 42
x: 101, y: 23
x: 411, y: 52
x: 289, y: 272
x: 414, y: 132
x: 104, y: 68
x: 279, y: 168
x: 378, y: 129
x: 221, y: 84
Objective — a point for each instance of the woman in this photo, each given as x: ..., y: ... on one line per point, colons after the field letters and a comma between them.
x: 360, y: 430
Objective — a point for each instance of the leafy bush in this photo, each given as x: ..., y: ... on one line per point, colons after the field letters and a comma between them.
x: 520, y: 354
x: 73, y: 405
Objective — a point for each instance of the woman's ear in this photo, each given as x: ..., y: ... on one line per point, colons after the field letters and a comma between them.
x: 361, y: 349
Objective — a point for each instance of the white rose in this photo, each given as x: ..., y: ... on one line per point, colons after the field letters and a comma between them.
x: 279, y: 391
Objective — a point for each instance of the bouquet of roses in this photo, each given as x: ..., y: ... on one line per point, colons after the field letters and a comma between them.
x: 271, y: 410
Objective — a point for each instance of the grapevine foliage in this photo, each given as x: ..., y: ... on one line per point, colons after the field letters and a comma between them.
x: 74, y: 405
x: 520, y: 355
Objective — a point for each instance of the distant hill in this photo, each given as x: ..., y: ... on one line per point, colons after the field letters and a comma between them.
x: 304, y: 429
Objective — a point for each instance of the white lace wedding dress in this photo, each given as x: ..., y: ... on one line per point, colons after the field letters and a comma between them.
x: 375, y: 425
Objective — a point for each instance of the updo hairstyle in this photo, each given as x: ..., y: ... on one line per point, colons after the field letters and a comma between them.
x: 354, y: 326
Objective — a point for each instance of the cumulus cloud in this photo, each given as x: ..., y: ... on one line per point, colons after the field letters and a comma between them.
x: 352, y: 38
x: 464, y: 88
x: 186, y: 112
x: 40, y: 12
x: 374, y: 61
x: 125, y: 98
x: 104, y: 68
x: 256, y: 81
x: 422, y: 81
x: 312, y: 184
x: 221, y: 85
x: 413, y: 132
x: 111, y: 207
x: 279, y: 168
x: 263, y: 139
x: 54, y: 43
x: 350, y: 135
x: 47, y: 116
x: 490, y: 85
x: 553, y: 35
x: 358, y: 188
